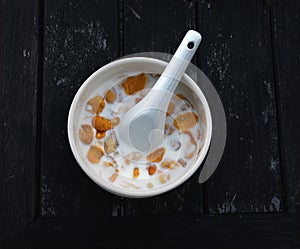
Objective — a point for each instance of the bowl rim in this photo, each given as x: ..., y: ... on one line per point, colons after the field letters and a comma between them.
x: 127, y: 192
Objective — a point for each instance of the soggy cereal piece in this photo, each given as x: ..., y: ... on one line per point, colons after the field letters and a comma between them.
x: 157, y: 155
x: 190, y: 155
x: 184, y: 106
x: 168, y: 130
x: 115, y: 121
x: 181, y: 96
x: 185, y: 121
x: 162, y: 179
x: 165, y: 164
x: 193, y: 142
x: 86, y: 133
x: 101, y: 123
x: 135, y: 83
x: 129, y: 184
x: 100, y: 134
x: 134, y: 156
x: 149, y: 185
x: 110, y: 143
x: 192, y: 139
x: 113, y: 177
x: 136, y: 172
x: 111, y: 159
x: 97, y: 104
x: 174, y: 144
x: 111, y: 96
x: 169, y: 164
x: 137, y: 100
x: 182, y: 162
x: 94, y: 154
x: 198, y: 134
x: 151, y: 169
x: 171, y: 109
x: 108, y: 164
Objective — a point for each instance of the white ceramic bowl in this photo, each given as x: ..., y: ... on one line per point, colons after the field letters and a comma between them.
x: 116, y: 70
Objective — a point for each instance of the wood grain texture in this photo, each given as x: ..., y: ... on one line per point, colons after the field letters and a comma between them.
x: 80, y: 37
x: 286, y: 26
x: 18, y: 86
x: 151, y: 26
x: 263, y: 232
x: 236, y: 56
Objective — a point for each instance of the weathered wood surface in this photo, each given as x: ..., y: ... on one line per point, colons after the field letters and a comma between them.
x: 251, y: 53
x: 265, y: 232
x: 236, y: 54
x: 286, y: 25
x: 18, y: 91
x: 80, y: 37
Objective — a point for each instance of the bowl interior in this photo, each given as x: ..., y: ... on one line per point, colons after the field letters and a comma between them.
x: 104, y: 79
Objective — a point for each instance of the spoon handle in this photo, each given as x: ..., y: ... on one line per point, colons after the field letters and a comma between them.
x: 168, y: 81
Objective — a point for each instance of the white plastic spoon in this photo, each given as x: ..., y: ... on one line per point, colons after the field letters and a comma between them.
x: 142, y: 127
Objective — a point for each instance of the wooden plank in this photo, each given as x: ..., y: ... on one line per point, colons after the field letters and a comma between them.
x: 18, y: 96
x: 280, y: 231
x: 236, y: 56
x: 286, y: 26
x: 159, y: 26
x: 80, y: 37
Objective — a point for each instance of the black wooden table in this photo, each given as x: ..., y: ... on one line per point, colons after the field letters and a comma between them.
x: 251, y: 53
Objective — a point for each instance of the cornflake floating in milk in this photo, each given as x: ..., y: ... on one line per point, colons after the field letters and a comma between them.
x: 86, y: 133
x: 94, y: 154
x: 97, y: 104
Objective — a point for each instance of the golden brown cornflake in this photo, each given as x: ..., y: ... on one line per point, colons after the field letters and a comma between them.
x: 185, y: 121
x: 149, y: 185
x: 112, y: 159
x: 113, y: 177
x: 192, y: 139
x: 129, y: 184
x: 100, y: 134
x: 95, y: 153
x: 111, y: 96
x: 165, y: 164
x: 168, y: 130
x: 137, y: 100
x: 169, y: 164
x: 86, y: 133
x: 171, y: 109
x: 193, y: 142
x: 136, y: 172
x: 198, y: 134
x: 175, y: 145
x: 151, y: 169
x: 134, y: 156
x: 115, y: 121
x: 182, y: 162
x: 110, y: 143
x: 101, y: 123
x: 135, y: 83
x: 157, y: 155
x: 162, y: 178
x: 108, y: 164
x: 181, y: 96
x: 97, y: 103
